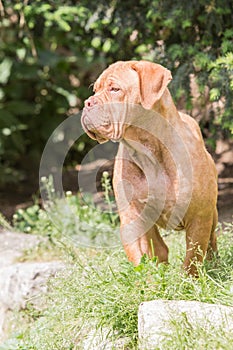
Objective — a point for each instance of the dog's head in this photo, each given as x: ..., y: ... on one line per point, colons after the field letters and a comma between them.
x: 120, y: 87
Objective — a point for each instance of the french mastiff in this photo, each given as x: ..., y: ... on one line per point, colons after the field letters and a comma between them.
x: 163, y: 175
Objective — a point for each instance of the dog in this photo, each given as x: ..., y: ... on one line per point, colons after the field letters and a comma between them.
x: 163, y: 175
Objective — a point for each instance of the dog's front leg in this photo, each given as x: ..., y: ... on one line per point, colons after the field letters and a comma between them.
x: 150, y: 243
x: 138, y: 210
x: 139, y: 234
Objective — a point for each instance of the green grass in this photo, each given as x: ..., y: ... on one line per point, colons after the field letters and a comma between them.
x: 101, y: 290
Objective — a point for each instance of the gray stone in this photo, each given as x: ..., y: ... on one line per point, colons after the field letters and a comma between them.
x: 154, y: 318
x: 22, y: 283
x: 12, y: 245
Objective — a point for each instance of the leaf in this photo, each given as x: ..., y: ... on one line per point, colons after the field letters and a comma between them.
x: 20, y: 107
x: 5, y: 70
x: 186, y: 24
x: 71, y: 98
x: 214, y: 94
x: 64, y: 25
x: 6, y: 131
x: 1, y: 94
x: 21, y: 53
x: 18, y: 141
x: 96, y: 42
x: 107, y: 45
x: 7, y: 118
x: 141, y: 49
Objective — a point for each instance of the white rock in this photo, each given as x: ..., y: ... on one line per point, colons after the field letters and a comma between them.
x: 154, y: 318
x: 12, y: 245
x: 21, y: 283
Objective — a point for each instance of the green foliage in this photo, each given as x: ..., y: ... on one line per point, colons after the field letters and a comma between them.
x: 4, y: 223
x: 36, y: 92
x: 51, y: 52
x: 26, y: 220
x: 73, y: 218
x: 109, y: 196
x: 221, y: 76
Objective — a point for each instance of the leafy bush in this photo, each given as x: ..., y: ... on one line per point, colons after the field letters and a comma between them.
x: 73, y: 219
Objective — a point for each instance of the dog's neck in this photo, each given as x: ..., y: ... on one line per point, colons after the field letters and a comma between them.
x: 166, y: 107
x: 159, y: 125
x: 159, y: 132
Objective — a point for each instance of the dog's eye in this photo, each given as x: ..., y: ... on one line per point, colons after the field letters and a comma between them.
x: 114, y: 89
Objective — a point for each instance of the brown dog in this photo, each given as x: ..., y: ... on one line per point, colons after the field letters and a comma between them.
x: 163, y: 175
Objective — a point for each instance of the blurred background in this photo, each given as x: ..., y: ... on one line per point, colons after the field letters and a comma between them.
x: 51, y: 52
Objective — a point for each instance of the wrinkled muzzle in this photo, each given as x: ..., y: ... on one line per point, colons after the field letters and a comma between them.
x: 105, y: 122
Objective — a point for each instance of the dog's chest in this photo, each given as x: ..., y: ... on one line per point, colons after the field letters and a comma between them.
x: 142, y: 177
x: 142, y: 181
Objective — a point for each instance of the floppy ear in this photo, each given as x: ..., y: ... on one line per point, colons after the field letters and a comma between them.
x: 153, y: 79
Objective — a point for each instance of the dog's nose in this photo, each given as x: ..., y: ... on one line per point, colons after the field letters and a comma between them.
x: 90, y: 102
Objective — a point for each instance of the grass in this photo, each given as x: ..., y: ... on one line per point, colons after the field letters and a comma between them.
x: 100, y: 290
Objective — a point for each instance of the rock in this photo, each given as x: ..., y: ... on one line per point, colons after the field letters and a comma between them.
x: 12, y: 245
x: 21, y: 283
x: 154, y: 318
x: 25, y: 281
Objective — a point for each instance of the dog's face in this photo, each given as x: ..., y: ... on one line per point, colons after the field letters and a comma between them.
x: 120, y: 88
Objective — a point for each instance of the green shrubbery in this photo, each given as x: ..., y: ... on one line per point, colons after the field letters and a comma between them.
x: 51, y: 52
x: 75, y: 218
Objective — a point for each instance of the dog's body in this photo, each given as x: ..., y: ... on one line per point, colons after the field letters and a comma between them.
x: 163, y: 175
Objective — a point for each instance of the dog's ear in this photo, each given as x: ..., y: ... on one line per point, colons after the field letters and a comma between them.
x: 153, y: 79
